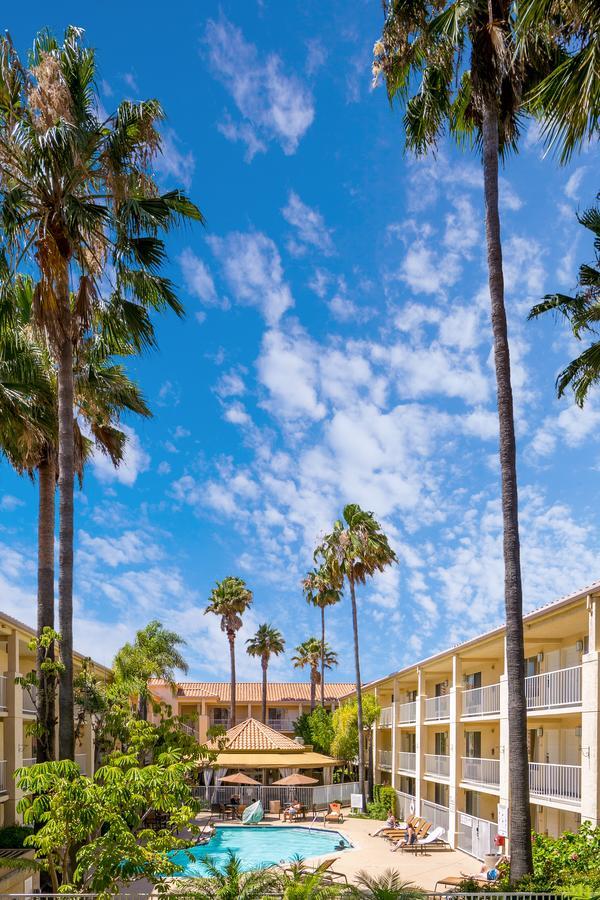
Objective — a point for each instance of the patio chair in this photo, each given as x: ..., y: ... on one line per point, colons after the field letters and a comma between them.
x: 335, y: 813
x: 400, y: 830
x: 319, y: 811
x: 480, y: 877
x: 433, y: 841
x: 422, y: 831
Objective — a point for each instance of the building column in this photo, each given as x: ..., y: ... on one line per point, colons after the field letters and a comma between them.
x: 504, y: 796
x: 420, y: 745
x: 590, y: 718
x: 87, y: 748
x: 455, y: 749
x: 374, y: 748
x: 13, y: 729
x: 394, y: 726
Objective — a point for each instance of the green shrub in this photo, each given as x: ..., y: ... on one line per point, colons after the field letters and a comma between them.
x: 384, y: 802
x: 12, y: 836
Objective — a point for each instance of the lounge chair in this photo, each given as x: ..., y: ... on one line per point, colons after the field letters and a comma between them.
x: 331, y: 876
x: 433, y: 841
x: 335, y: 813
x: 479, y: 877
x: 422, y: 831
x: 400, y: 830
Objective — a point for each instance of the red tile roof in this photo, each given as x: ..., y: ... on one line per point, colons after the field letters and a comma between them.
x: 251, y: 691
x: 254, y: 735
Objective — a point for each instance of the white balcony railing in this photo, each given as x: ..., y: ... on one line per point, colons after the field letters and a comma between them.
x: 281, y: 724
x: 81, y: 760
x: 437, y: 708
x: 29, y: 761
x: 555, y: 782
x: 2, y: 691
x: 188, y: 729
x: 2, y: 776
x: 385, y: 759
x: 406, y: 805
x: 481, y: 701
x: 222, y: 722
x: 438, y: 815
x: 437, y: 765
x: 29, y: 699
x: 386, y: 716
x: 406, y: 713
x: 554, y: 689
x: 481, y: 771
x: 407, y: 762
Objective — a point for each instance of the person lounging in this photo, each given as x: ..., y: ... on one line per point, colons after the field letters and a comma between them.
x: 409, y: 840
x: 392, y: 822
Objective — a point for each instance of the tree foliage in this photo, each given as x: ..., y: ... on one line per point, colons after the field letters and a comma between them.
x: 345, y: 726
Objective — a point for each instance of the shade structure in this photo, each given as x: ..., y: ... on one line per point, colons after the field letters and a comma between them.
x: 238, y: 778
x: 296, y: 780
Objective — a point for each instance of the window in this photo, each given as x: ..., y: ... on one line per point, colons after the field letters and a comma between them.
x: 441, y: 743
x: 472, y: 803
x: 441, y: 794
x: 220, y: 715
x: 441, y: 689
x: 472, y: 681
x: 473, y: 744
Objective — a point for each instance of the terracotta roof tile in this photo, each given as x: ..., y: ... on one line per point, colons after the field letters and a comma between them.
x: 251, y: 691
x: 254, y: 735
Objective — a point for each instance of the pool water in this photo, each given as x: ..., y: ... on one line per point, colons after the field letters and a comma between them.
x: 258, y: 846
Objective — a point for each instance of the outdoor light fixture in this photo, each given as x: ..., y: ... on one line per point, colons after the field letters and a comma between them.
x: 540, y: 732
x: 579, y: 646
x: 540, y: 657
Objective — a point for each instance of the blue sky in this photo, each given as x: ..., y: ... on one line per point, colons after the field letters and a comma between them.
x: 336, y: 348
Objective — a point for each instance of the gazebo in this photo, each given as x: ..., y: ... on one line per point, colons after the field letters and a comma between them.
x: 267, y: 755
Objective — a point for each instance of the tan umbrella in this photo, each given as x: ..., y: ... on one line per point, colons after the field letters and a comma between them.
x: 238, y: 778
x: 296, y: 780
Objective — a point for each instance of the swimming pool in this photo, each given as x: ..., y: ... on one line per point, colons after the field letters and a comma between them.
x: 259, y: 846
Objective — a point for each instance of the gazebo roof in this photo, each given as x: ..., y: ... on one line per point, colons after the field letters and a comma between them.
x: 252, y: 744
x: 254, y: 735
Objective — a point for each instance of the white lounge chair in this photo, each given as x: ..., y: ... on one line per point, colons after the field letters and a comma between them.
x: 433, y: 841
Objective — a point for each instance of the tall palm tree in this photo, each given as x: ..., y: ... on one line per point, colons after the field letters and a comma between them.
x: 229, y: 600
x: 79, y: 204
x: 583, y: 315
x: 102, y: 392
x: 267, y: 642
x: 321, y: 592
x: 313, y: 654
x: 154, y: 653
x: 457, y: 65
x: 356, y: 549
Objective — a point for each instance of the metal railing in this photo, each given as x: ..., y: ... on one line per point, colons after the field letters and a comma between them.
x: 437, y: 708
x: 29, y: 699
x: 29, y: 761
x: 481, y: 771
x: 224, y: 723
x: 406, y: 805
x: 188, y: 729
x: 436, y: 764
x: 281, y: 724
x: 3, y: 692
x: 2, y: 776
x: 553, y: 781
x: 438, y: 815
x: 554, y: 689
x: 386, y: 759
x: 481, y: 701
x: 406, y: 713
x: 407, y: 762
x: 308, y: 796
x: 385, y: 716
x: 81, y: 760
x: 476, y: 836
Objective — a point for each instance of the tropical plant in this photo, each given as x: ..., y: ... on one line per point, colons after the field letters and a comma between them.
x: 229, y: 599
x: 389, y: 885
x: 457, y: 66
x: 345, y: 744
x: 582, y: 312
x: 300, y: 882
x: 321, y: 730
x: 321, y: 592
x: 567, y: 100
x: 311, y: 653
x: 267, y: 642
x: 154, y: 654
x: 229, y: 881
x: 355, y: 550
x: 79, y: 207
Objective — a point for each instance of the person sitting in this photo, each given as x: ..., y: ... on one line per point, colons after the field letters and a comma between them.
x: 392, y: 822
x: 409, y: 840
x: 293, y: 810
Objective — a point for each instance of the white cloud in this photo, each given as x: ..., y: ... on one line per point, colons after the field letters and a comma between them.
x: 309, y: 225
x: 252, y: 267
x: 176, y: 167
x: 244, y: 133
x: 316, y: 56
x: 135, y: 461
x: 287, y: 368
x: 230, y: 384
x: 509, y: 199
x: 574, y: 183
x: 197, y: 277
x: 425, y: 272
x: 572, y: 425
x: 274, y: 104
x: 130, y: 548
x: 8, y: 503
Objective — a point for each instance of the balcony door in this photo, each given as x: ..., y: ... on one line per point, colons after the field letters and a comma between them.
x: 441, y: 743
x: 472, y: 681
x: 473, y: 744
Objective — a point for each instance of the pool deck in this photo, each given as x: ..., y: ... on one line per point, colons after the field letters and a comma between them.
x: 373, y: 854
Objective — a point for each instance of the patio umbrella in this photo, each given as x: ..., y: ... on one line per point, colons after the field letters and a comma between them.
x: 238, y: 778
x: 295, y: 780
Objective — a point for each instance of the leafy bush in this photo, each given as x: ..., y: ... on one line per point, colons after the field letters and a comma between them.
x: 384, y: 802
x: 12, y: 836
x: 561, y: 864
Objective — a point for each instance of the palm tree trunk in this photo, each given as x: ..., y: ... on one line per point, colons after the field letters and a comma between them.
x: 45, y: 743
x: 359, y: 706
x: 520, y: 822
x: 323, y: 657
x: 231, y: 637
x: 66, y: 740
x: 143, y: 706
x: 313, y: 689
x: 265, y: 663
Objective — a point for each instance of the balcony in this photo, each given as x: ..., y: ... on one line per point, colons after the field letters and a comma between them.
x: 438, y: 815
x: 2, y: 776
x: 437, y: 708
x: 385, y: 717
x: 29, y: 700
x: 385, y: 760
x: 437, y: 766
x: 188, y: 729
x: 406, y: 713
x: 29, y: 761
x: 483, y: 772
x: 81, y: 760
x: 3, y: 692
x: 550, y: 781
x: 219, y: 722
x: 554, y: 690
x: 407, y: 762
x: 481, y: 701
x: 281, y: 724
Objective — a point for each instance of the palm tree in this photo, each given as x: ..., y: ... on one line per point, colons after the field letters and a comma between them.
x: 319, y: 590
x: 356, y: 549
x: 154, y: 654
x: 303, y: 883
x: 229, y: 600
x: 266, y: 642
x: 461, y: 62
x: 102, y: 392
x: 387, y: 886
x: 79, y: 204
x: 229, y: 881
x: 313, y: 654
x: 583, y: 314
